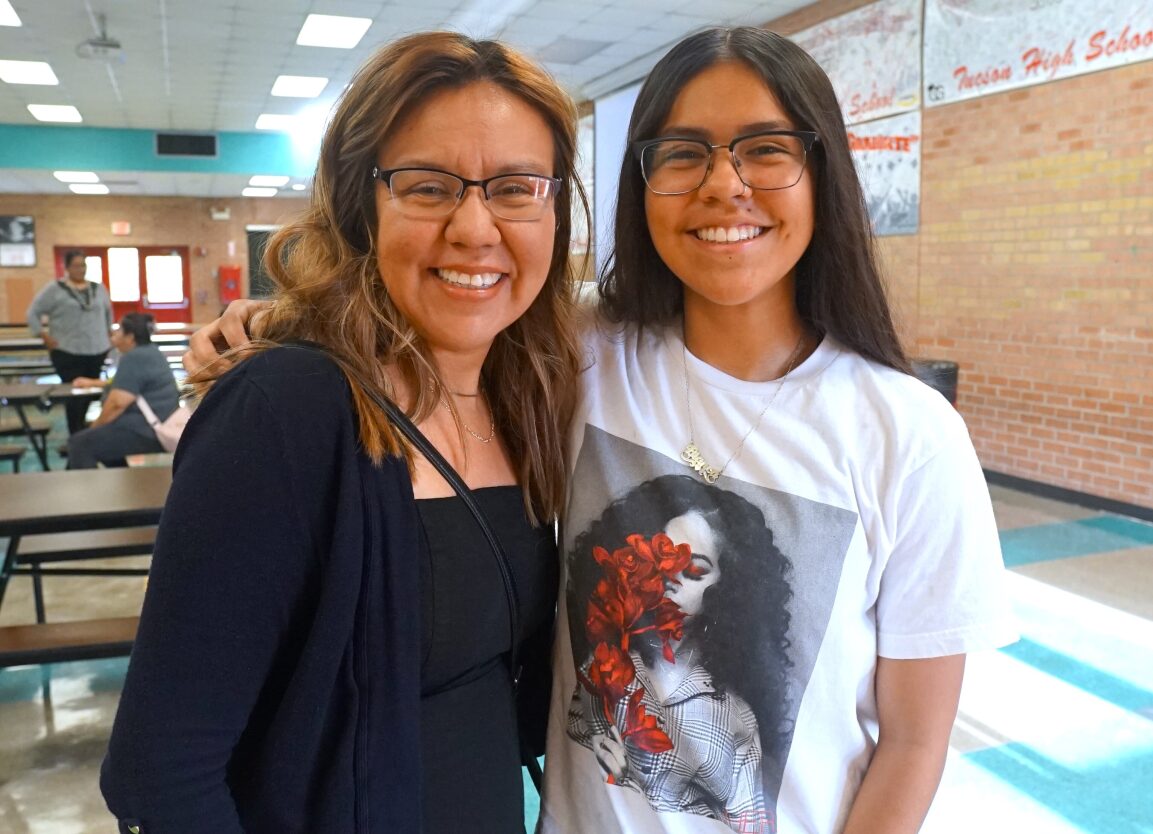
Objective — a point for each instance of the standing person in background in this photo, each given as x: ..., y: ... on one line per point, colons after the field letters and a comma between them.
x: 79, y: 319
x: 121, y: 429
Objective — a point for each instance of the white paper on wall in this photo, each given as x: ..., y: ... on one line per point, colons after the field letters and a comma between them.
x: 887, y: 154
x: 978, y: 47
x: 872, y: 56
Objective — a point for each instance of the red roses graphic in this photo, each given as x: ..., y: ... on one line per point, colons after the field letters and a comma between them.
x: 629, y: 599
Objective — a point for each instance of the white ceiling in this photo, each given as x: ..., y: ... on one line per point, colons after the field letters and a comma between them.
x: 209, y: 65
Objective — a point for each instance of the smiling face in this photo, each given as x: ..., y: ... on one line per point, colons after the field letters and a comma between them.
x: 731, y: 246
x: 704, y: 571
x: 461, y: 279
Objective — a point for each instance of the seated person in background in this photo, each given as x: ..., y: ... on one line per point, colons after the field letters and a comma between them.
x: 121, y: 429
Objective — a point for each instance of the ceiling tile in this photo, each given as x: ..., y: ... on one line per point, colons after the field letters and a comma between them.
x: 216, y: 71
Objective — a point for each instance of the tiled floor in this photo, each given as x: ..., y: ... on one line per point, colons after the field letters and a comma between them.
x: 1055, y: 734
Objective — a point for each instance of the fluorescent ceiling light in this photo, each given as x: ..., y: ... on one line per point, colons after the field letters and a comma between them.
x: 55, y: 113
x: 299, y: 86
x: 76, y: 176
x: 28, y: 72
x: 258, y: 192
x: 298, y: 186
x: 271, y: 121
x: 266, y: 180
x: 8, y: 16
x: 82, y: 188
x: 332, y: 31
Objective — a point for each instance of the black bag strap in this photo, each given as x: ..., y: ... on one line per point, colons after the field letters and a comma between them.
x: 423, y: 445
x: 406, y: 427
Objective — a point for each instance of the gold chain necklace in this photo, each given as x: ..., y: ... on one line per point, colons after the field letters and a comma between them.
x: 691, y: 454
x: 467, y: 427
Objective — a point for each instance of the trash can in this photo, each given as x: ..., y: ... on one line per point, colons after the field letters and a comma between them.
x: 939, y: 374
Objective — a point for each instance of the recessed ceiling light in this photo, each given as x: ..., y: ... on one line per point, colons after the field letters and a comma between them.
x: 27, y: 72
x: 55, y: 113
x: 299, y: 86
x: 267, y: 180
x: 258, y: 192
x: 76, y: 176
x: 298, y: 186
x: 82, y: 188
x: 8, y: 16
x: 272, y: 121
x: 333, y: 31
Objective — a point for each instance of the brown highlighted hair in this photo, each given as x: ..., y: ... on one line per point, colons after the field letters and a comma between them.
x: 326, y: 264
x: 838, y: 282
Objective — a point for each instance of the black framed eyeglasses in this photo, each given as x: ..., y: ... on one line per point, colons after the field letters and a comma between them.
x: 768, y: 160
x: 429, y: 194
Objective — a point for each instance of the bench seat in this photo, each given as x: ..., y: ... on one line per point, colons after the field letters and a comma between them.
x: 87, y: 544
x: 21, y: 645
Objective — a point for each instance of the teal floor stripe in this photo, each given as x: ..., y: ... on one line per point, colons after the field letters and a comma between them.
x: 1108, y: 798
x: 1138, y: 532
x: 531, y: 800
x: 22, y: 683
x: 1111, y: 688
x: 1046, y: 542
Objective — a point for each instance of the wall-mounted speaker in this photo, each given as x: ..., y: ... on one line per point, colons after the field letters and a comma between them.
x: 186, y: 144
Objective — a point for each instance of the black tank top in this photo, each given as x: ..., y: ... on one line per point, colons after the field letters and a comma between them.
x: 470, y: 756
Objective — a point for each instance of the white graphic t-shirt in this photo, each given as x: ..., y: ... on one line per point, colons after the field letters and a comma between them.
x: 717, y: 642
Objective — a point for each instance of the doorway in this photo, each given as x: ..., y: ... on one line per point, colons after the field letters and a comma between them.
x: 140, y: 279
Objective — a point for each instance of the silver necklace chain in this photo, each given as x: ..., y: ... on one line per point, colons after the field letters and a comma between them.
x: 691, y: 454
x: 467, y: 427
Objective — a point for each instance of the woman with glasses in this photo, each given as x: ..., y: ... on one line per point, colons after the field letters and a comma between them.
x: 325, y: 639
x: 744, y: 339
x: 746, y: 342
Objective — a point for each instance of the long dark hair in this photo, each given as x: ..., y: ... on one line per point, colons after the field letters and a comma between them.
x: 839, y: 290
x: 744, y: 615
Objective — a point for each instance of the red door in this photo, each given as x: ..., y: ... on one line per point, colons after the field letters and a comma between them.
x: 146, y: 279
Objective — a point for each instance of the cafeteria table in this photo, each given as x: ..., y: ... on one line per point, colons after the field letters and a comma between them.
x: 22, y: 395
x: 38, y: 503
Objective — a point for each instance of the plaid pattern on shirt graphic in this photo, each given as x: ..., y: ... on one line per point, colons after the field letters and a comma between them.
x: 713, y: 768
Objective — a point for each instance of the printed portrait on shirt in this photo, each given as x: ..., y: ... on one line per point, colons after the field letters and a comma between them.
x: 689, y: 666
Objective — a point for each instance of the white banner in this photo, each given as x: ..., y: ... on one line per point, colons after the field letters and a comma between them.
x: 977, y: 47
x: 872, y: 56
x: 887, y: 153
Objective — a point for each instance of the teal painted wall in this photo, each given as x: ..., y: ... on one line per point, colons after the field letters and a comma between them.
x: 109, y: 149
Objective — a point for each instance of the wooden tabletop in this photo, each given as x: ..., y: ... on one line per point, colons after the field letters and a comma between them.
x: 23, y: 393
x: 81, y: 499
x: 22, y: 344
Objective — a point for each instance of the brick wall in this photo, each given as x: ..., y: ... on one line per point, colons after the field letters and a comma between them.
x: 1036, y: 274
x: 1033, y: 269
x: 156, y: 221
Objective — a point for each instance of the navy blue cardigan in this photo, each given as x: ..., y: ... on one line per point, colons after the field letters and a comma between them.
x: 275, y: 682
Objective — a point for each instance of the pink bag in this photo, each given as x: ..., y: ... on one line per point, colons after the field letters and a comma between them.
x: 167, y: 431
